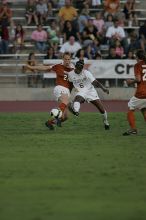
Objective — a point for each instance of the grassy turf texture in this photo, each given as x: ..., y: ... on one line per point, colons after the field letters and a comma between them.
x: 77, y: 172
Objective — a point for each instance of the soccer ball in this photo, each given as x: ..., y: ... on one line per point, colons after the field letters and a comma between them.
x: 56, y: 113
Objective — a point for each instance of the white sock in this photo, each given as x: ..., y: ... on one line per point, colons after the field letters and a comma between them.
x: 76, y: 106
x: 105, y: 117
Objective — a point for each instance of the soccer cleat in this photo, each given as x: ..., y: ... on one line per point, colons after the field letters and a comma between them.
x: 58, y: 122
x: 130, y: 132
x: 49, y: 125
x: 70, y: 108
x: 76, y: 114
x: 106, y: 125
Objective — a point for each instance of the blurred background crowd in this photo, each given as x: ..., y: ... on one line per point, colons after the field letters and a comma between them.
x: 89, y: 29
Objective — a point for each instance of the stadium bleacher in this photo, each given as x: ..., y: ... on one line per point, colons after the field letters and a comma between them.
x: 18, y: 8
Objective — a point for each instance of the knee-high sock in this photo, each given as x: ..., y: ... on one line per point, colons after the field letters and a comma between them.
x: 105, y: 116
x: 76, y: 106
x: 62, y: 106
x: 131, y: 119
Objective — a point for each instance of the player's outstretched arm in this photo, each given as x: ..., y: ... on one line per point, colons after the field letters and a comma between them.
x: 41, y: 67
x: 96, y: 83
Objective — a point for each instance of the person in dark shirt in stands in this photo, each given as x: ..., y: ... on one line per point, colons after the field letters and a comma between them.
x: 112, y: 54
x: 50, y: 54
x: 5, y: 14
x: 142, y: 35
x: 70, y: 30
x: 4, y: 39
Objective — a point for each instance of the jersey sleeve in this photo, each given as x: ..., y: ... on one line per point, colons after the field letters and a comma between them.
x: 53, y: 68
x: 90, y: 76
x: 137, y: 70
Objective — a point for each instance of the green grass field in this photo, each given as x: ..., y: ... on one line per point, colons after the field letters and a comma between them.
x: 77, y: 172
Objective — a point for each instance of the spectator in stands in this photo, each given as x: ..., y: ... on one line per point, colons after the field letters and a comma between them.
x: 42, y: 11
x: 53, y: 33
x: 130, y: 55
x: 18, y: 38
x: 30, y: 12
x: 142, y: 36
x: 98, y: 22
x: 80, y: 4
x: 60, y: 3
x: 5, y: 14
x: 95, y: 3
x: 89, y: 52
x: 50, y: 54
x: 117, y: 32
x: 96, y: 46
x: 109, y: 21
x: 119, y: 48
x: 4, y: 39
x: 134, y: 43
x: 50, y: 8
x: 129, y: 12
x: 112, y: 54
x: 54, y: 3
x: 98, y: 56
x: 67, y: 12
x: 40, y: 36
x: 80, y: 55
x: 90, y: 33
x: 70, y: 46
x: 111, y: 7
x: 69, y: 30
x: 32, y: 75
x: 83, y: 19
x: 54, y: 36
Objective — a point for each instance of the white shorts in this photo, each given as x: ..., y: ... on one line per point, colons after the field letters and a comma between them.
x: 59, y: 90
x: 89, y: 95
x: 135, y: 103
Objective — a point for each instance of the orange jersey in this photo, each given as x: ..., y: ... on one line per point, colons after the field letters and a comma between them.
x: 62, y: 75
x: 140, y: 70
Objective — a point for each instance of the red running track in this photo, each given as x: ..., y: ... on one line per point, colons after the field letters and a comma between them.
x: 45, y: 106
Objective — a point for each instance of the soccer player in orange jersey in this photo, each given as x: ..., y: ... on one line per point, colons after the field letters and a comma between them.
x: 63, y: 86
x: 138, y: 101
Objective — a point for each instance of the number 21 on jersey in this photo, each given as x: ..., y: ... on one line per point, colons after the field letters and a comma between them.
x: 144, y: 71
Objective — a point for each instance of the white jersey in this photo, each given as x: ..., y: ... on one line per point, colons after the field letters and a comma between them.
x: 82, y: 81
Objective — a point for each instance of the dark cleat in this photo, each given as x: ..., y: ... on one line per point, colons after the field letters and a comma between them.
x: 107, y: 127
x: 76, y: 114
x: 130, y: 132
x: 49, y: 125
x: 58, y: 122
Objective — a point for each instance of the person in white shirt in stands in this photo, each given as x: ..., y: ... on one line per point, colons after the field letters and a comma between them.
x: 71, y: 46
x: 84, y: 84
x: 117, y: 32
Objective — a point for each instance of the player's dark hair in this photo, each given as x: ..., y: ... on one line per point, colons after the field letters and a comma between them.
x: 80, y: 63
x: 140, y: 54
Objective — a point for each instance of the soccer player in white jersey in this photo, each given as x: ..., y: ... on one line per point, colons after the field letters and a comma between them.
x: 84, y: 83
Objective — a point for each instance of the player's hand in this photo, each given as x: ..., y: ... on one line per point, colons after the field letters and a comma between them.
x: 106, y: 90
